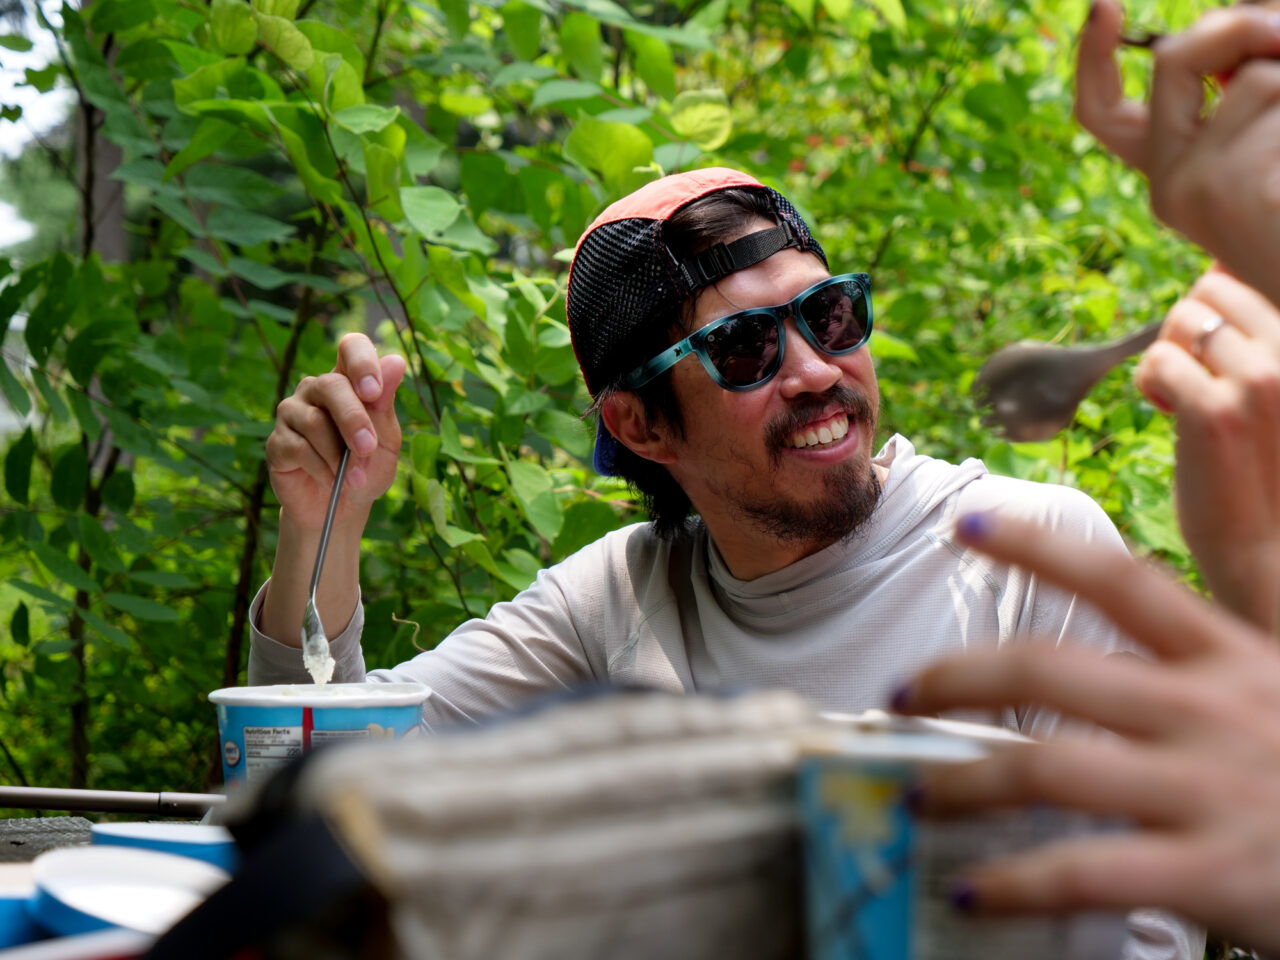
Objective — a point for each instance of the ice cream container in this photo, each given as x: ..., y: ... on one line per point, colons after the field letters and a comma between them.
x: 878, y: 882
x: 203, y: 841
x: 82, y: 889
x: 262, y: 728
x: 16, y: 925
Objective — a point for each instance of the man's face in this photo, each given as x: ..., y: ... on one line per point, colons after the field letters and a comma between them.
x: 748, y: 459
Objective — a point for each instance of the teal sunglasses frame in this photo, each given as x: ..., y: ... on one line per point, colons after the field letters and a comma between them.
x: 696, y: 341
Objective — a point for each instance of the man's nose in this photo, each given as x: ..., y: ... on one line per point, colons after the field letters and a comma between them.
x: 805, y: 369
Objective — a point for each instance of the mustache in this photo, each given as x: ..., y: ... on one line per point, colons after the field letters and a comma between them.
x: 808, y: 408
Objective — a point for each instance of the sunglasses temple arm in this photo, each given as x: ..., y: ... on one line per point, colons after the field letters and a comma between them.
x: 657, y: 366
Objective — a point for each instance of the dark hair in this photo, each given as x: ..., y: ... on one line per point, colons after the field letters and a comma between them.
x: 716, y: 218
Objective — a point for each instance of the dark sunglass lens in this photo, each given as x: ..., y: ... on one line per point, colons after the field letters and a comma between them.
x: 837, y: 315
x: 745, y: 349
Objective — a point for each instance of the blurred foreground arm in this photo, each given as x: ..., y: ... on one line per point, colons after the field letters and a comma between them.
x: 354, y: 405
x: 1215, y: 178
x: 1199, y: 775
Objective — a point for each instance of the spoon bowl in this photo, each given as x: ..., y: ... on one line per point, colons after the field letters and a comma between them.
x: 1032, y: 389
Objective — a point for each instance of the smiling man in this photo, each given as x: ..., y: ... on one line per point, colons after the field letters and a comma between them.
x: 732, y: 378
x: 735, y: 389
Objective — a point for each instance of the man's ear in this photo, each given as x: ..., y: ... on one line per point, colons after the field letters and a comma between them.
x: 624, y: 417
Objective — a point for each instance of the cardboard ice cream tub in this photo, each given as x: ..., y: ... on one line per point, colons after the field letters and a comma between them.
x: 262, y: 728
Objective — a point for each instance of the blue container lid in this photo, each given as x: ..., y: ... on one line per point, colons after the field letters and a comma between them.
x: 82, y: 889
x: 212, y: 844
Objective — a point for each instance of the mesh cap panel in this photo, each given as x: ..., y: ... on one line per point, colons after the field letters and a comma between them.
x: 625, y: 291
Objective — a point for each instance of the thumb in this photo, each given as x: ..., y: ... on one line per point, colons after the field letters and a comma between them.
x: 393, y: 369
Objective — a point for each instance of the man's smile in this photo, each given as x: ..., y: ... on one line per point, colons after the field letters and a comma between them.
x: 820, y: 433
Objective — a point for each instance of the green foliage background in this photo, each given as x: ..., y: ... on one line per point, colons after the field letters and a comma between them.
x: 421, y: 171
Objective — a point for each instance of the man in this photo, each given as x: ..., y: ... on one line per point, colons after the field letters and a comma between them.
x: 813, y: 564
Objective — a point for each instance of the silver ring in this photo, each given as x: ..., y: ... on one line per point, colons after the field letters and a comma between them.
x: 1211, y: 325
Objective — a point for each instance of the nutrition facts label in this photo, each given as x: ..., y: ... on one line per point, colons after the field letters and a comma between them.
x: 266, y: 749
x: 324, y: 736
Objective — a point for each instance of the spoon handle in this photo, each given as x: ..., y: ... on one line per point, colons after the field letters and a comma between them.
x: 1135, y: 342
x: 328, y: 518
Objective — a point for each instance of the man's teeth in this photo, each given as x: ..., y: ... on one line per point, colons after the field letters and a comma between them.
x: 827, y: 433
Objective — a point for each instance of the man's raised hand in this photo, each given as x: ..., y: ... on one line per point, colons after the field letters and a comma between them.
x: 353, y: 406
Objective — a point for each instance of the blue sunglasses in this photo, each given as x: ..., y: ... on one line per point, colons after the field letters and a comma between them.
x: 746, y: 349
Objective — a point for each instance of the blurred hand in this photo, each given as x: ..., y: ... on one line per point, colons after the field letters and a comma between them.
x: 352, y: 406
x: 1215, y: 178
x: 1199, y: 775
x: 1224, y: 388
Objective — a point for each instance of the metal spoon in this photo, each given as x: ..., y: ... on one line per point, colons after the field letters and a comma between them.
x: 315, y: 643
x: 1033, y: 388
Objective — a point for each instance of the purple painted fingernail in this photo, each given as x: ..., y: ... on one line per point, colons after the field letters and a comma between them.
x: 369, y: 388
x: 901, y: 697
x: 364, y: 441
x: 975, y: 526
x: 963, y: 897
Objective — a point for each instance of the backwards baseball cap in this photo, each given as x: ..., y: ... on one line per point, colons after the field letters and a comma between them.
x: 625, y: 279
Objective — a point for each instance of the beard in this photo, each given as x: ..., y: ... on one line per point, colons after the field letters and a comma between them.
x: 850, y: 490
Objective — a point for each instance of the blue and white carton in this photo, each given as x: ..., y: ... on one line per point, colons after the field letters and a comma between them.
x: 261, y: 729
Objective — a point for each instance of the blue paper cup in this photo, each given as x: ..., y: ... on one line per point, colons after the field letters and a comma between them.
x: 262, y: 728
x: 212, y: 844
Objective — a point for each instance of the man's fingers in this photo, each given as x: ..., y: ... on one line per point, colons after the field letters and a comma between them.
x: 287, y: 451
x: 1092, y: 774
x: 1173, y: 379
x: 358, y: 361
x: 1119, y: 124
x: 331, y: 396
x: 1110, y: 871
x: 1140, y: 601
x: 1124, y: 694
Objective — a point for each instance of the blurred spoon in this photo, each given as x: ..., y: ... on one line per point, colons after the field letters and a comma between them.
x: 1033, y: 389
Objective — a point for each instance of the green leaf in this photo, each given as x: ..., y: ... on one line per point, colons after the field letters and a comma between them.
x: 288, y: 9
x: 366, y: 117
x: 654, y: 64
x: 104, y: 629
x: 465, y: 104
x: 612, y: 150
x: 382, y: 181
x: 244, y: 228
x: 804, y: 9
x: 703, y: 116
x: 528, y: 480
x: 17, y: 467
x: 141, y: 608
x: 336, y: 83
x: 212, y: 135
x: 328, y: 39
x: 20, y: 625
x: 118, y: 491
x: 83, y: 411
x: 892, y: 11
x: 286, y: 41
x: 98, y: 543
x: 64, y: 568
x: 584, y: 522
x: 161, y: 578
x: 13, y: 390
x: 582, y: 45
x: 114, y: 16
x: 70, y: 476
x: 999, y: 105
x: 429, y: 210
x: 234, y: 28
x: 16, y: 43
x: 522, y: 27
x: 457, y: 17
x: 558, y: 91
x: 424, y: 448
x: 40, y: 593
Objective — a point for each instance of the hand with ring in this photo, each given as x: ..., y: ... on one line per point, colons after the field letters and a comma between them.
x: 1214, y: 177
x: 1216, y: 367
